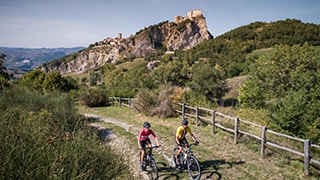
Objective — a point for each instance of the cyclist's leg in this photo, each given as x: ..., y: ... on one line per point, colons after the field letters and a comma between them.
x: 180, y: 145
x: 186, y: 144
x: 148, y: 143
x: 143, y: 151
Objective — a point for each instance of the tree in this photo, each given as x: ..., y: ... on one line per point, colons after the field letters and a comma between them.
x: 288, y: 68
x: 38, y: 80
x: 3, y: 70
x: 53, y: 81
x: 174, y: 72
x: 4, y: 76
x: 33, y: 80
x: 287, y: 84
x: 251, y: 95
x: 208, y: 79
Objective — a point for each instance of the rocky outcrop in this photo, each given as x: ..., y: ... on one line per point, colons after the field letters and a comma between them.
x: 182, y: 34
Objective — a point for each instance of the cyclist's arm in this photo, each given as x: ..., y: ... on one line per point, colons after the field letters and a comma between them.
x: 139, y: 145
x: 193, y: 137
x: 178, y: 134
x: 177, y: 140
x: 157, y: 141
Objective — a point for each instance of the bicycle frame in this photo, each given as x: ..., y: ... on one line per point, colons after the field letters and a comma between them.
x: 187, y: 159
x: 150, y: 163
x: 148, y: 153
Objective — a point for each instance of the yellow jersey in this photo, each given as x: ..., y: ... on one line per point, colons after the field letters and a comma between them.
x: 182, y: 132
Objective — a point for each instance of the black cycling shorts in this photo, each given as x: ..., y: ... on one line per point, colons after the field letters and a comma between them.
x: 183, y: 142
x: 144, y: 142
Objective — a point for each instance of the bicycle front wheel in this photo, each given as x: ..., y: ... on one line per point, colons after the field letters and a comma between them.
x: 194, y: 167
x: 152, y: 169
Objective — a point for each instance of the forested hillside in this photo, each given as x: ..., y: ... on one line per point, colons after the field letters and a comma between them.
x: 230, y: 50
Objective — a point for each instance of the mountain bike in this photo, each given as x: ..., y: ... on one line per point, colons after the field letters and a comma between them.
x: 150, y: 164
x: 187, y: 159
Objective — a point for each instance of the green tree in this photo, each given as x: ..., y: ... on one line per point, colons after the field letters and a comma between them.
x: 287, y: 68
x: 3, y: 70
x: 287, y: 82
x: 54, y: 81
x: 33, y: 80
x: 251, y: 94
x: 208, y: 79
x: 4, y: 76
x: 174, y: 72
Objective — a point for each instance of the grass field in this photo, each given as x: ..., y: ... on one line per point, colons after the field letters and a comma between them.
x: 219, y: 157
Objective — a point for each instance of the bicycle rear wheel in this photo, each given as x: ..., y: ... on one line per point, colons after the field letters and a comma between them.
x: 194, y: 167
x: 152, y: 169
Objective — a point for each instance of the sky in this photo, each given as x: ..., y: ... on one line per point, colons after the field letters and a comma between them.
x: 73, y: 23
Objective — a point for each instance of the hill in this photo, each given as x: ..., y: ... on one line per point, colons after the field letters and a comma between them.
x: 31, y: 58
x: 230, y: 50
x: 183, y: 33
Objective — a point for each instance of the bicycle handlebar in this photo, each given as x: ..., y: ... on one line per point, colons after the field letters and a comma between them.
x: 194, y: 144
x: 151, y: 147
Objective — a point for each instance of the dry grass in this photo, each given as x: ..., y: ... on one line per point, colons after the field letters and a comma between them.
x: 131, y: 65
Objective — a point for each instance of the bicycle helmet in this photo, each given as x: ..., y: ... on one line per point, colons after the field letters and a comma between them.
x: 146, y: 125
x: 185, y: 122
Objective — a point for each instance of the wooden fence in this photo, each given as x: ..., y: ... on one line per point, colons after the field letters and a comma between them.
x: 121, y: 101
x: 217, y: 119
x: 237, y: 126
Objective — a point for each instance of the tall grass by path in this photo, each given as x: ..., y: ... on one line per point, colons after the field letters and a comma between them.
x: 44, y: 137
x: 219, y: 157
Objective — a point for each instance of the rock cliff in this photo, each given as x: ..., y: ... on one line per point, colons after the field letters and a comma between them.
x: 165, y: 36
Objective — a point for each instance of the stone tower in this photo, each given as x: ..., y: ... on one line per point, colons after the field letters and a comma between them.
x: 194, y: 13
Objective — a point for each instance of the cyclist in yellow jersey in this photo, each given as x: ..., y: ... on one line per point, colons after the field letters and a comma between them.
x: 181, y: 138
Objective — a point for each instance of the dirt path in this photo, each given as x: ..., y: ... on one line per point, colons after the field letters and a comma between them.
x: 131, y: 155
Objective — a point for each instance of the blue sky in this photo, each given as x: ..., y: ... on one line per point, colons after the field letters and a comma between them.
x: 71, y: 23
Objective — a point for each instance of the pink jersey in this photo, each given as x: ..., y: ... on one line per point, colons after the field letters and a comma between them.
x: 143, y: 135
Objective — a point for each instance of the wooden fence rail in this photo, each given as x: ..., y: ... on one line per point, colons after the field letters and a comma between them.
x: 121, y: 101
x: 218, y: 119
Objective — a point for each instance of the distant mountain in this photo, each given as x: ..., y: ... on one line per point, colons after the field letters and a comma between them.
x: 31, y: 58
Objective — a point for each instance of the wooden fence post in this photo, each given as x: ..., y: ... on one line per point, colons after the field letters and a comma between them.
x: 129, y: 103
x: 213, y: 121
x: 306, y: 156
x: 120, y: 101
x: 263, y: 140
x: 182, y: 109
x: 197, y: 114
x: 235, y: 130
x: 112, y: 102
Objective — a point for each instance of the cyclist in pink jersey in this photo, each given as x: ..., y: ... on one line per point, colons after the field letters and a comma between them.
x: 144, y: 140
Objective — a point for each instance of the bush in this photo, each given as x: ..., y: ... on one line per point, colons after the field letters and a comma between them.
x: 158, y: 103
x: 92, y: 97
x: 43, y: 137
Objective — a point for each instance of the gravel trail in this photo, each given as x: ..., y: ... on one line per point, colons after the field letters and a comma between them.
x: 131, y: 155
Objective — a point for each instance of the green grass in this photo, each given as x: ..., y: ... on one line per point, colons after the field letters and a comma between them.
x: 219, y: 157
x: 43, y: 137
x: 260, y: 52
x: 131, y: 65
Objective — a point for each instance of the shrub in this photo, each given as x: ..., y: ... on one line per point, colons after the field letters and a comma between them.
x: 92, y: 97
x: 43, y: 137
x: 158, y: 103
